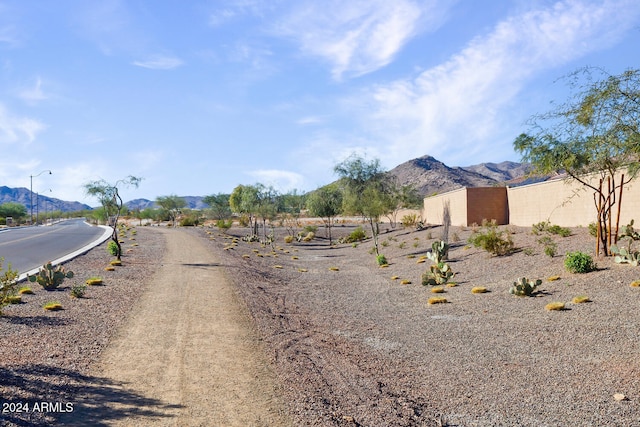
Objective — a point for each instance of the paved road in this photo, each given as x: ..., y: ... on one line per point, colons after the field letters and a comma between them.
x: 27, y: 248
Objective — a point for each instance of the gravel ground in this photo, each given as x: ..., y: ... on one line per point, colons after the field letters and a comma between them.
x: 45, y: 355
x: 354, y: 347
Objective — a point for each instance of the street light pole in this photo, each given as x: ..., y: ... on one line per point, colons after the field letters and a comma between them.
x: 31, y: 190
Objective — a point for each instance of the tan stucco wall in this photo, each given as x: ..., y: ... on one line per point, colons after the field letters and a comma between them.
x: 567, y: 204
x: 457, y: 204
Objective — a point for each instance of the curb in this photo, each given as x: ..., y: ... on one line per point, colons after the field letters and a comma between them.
x: 82, y: 250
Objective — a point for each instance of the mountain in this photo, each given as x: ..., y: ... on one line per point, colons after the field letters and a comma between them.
x: 193, y: 202
x: 431, y: 176
x: 41, y: 203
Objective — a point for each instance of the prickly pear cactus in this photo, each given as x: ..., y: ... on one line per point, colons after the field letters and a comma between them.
x: 50, y: 277
x: 438, y: 274
x: 524, y: 287
x: 439, y: 251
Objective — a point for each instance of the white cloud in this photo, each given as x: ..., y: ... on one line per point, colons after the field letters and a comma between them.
x: 461, y: 108
x: 21, y: 130
x: 310, y: 120
x: 159, y: 62
x: 355, y: 37
x: 281, y: 180
x: 34, y: 94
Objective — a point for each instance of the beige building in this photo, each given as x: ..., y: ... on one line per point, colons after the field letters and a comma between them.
x: 565, y: 203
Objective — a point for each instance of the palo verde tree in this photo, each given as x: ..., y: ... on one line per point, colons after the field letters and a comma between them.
x: 15, y: 210
x: 593, y: 137
x: 366, y: 191
x: 243, y: 201
x: 218, y: 205
x: 326, y: 203
x: 109, y: 196
x: 172, y: 205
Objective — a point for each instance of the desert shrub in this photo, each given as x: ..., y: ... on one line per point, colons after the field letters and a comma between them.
x: 529, y: 251
x: 385, y: 243
x: 560, y: 231
x: 112, y: 248
x: 491, y: 239
x: 593, y: 229
x: 402, y: 245
x: 288, y: 239
x: 455, y: 238
x: 550, y: 247
x: 356, y: 235
x: 437, y: 300
x: 243, y: 220
x: 224, y: 225
x: 579, y: 262
x: 189, y: 221
x: 479, y: 290
x: 8, y: 284
x: 311, y: 229
x: 381, y: 259
x: 555, y: 306
x: 78, y: 290
x: 409, y: 220
x: 581, y: 299
x: 309, y: 237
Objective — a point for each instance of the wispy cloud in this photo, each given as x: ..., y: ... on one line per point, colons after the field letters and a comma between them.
x: 160, y: 62
x: 17, y: 129
x: 310, y: 120
x: 452, y: 108
x: 355, y: 37
x: 280, y: 179
x: 33, y: 94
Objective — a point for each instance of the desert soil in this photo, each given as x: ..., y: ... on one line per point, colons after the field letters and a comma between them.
x: 319, y: 335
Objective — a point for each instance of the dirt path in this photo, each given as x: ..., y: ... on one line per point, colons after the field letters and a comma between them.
x: 189, y: 350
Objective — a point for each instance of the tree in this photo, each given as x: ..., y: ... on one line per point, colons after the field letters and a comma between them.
x: 366, y: 191
x: 402, y: 197
x: 267, y: 206
x: 595, y: 133
x: 326, y: 203
x: 109, y: 197
x: 243, y: 200
x: 291, y: 205
x: 14, y: 210
x: 219, y: 207
x: 172, y: 205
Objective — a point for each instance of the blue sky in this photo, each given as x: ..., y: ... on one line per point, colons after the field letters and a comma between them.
x: 199, y: 96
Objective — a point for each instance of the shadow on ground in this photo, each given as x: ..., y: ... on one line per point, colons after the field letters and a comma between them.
x: 46, y: 395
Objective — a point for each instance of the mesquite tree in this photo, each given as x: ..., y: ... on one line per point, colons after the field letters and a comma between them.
x: 111, y: 202
x: 593, y: 137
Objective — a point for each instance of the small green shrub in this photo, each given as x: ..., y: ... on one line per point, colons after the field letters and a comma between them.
x: 593, y: 229
x: 550, y: 247
x: 311, y: 229
x: 491, y: 239
x: 356, y: 235
x: 112, y: 248
x: 225, y: 225
x: 402, y: 245
x: 579, y: 262
x: 78, y: 290
x: 288, y: 239
x: 381, y: 259
x: 385, y: 243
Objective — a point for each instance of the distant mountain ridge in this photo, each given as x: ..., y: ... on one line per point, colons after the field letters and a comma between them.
x: 431, y: 176
x: 427, y: 174
x: 41, y: 203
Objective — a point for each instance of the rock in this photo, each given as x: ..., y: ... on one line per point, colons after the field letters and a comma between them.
x: 619, y: 397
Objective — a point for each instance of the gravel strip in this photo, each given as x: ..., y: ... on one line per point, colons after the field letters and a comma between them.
x: 45, y: 355
x: 354, y: 347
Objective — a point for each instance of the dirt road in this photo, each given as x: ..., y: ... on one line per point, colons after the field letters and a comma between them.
x: 189, y: 349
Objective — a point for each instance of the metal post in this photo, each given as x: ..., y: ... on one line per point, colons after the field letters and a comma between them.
x: 31, y: 190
